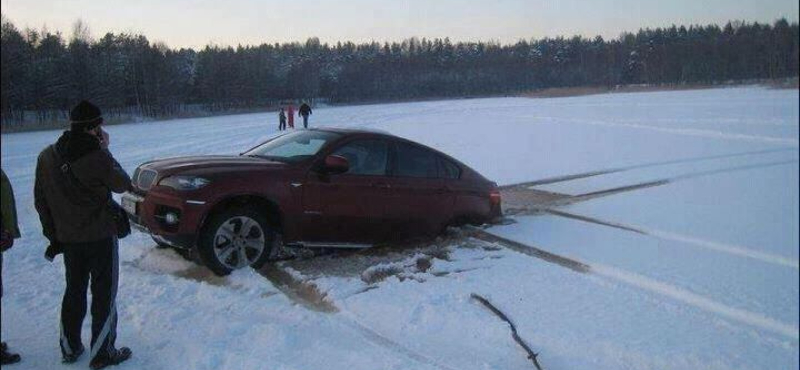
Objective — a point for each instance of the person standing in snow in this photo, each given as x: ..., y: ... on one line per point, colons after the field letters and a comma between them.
x: 72, y: 194
x: 304, y: 111
x: 281, y: 120
x: 8, y: 233
x: 290, y: 113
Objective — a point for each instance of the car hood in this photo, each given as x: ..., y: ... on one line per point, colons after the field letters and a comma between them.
x: 196, y: 164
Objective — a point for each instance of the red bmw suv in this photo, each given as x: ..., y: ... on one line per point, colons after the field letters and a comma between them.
x: 312, y: 188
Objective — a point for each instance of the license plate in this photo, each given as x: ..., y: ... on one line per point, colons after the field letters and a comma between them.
x: 129, y: 204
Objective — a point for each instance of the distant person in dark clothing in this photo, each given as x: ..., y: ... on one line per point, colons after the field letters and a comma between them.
x: 290, y: 113
x: 8, y: 233
x: 305, y: 111
x: 281, y: 120
x: 72, y: 193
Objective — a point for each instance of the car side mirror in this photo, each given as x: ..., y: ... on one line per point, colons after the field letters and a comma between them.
x: 335, y: 164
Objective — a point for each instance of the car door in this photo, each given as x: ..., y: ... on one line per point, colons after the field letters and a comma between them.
x: 420, y: 199
x: 349, y: 207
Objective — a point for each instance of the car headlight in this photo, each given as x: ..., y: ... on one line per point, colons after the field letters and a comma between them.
x: 184, y: 182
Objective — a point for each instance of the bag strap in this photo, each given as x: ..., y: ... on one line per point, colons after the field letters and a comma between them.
x: 66, y: 168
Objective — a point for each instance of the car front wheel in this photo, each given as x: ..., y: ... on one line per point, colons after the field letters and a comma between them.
x: 235, y: 239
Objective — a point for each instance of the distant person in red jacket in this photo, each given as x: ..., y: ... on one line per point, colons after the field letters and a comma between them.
x: 290, y: 115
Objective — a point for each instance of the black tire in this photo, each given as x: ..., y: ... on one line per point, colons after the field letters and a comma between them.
x: 217, y: 240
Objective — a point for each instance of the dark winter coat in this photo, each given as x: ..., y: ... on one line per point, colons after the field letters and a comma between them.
x: 282, y: 117
x: 9, y: 207
x: 304, y: 110
x: 73, y: 202
x: 9, y: 230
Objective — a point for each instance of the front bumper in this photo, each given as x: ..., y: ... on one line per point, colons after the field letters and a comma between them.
x: 149, y: 213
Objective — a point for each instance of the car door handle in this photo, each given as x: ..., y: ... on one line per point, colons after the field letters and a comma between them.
x: 381, y: 185
x: 443, y: 190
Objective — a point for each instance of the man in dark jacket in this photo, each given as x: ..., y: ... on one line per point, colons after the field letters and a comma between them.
x: 8, y: 232
x: 74, y: 181
x: 305, y: 111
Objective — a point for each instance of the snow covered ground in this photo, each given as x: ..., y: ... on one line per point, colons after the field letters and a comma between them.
x: 698, y: 271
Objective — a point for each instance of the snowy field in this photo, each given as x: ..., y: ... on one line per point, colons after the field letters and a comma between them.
x: 698, y: 270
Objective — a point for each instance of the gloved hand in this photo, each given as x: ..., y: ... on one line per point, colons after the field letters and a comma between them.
x: 6, y: 241
x: 53, y: 250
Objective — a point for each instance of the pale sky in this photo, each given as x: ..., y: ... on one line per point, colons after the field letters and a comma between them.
x: 196, y: 23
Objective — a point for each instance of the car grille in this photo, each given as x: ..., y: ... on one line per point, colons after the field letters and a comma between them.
x: 144, y: 178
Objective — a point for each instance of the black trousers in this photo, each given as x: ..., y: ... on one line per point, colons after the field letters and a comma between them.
x: 282, y: 125
x: 1, y: 278
x: 98, y: 263
x: 305, y: 120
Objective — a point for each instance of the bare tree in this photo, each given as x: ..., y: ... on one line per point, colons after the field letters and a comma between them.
x: 81, y: 32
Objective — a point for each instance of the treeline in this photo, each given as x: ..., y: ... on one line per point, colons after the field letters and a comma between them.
x: 44, y: 74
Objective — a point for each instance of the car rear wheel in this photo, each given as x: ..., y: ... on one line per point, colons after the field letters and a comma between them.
x: 235, y: 239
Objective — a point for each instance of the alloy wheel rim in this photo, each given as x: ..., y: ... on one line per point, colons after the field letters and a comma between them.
x: 238, y: 242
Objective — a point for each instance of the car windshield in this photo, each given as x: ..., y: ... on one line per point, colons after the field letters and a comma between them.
x: 293, y: 147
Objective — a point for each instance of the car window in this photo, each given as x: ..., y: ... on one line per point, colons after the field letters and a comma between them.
x: 294, y: 147
x: 447, y: 169
x: 415, y: 161
x: 366, y: 157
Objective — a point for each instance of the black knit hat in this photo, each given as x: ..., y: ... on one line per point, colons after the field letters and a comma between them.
x: 85, y: 116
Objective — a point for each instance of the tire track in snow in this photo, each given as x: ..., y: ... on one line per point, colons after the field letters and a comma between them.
x: 557, y: 179
x: 532, y: 251
x: 549, y: 199
x: 692, y: 175
x: 690, y: 132
x: 301, y: 291
x: 670, y: 236
x: 307, y: 295
x: 723, y: 121
x: 726, y: 248
x: 383, y: 341
x: 620, y: 189
x: 592, y: 220
x: 654, y: 286
x: 687, y: 176
x: 698, y: 301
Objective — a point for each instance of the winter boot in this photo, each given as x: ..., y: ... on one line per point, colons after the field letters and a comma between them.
x: 7, y: 358
x: 68, y: 359
x: 118, y: 357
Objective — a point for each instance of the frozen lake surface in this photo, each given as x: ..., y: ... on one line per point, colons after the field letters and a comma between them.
x: 697, y: 271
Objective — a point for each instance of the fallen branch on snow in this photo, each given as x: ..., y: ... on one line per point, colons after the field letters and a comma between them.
x: 531, y: 355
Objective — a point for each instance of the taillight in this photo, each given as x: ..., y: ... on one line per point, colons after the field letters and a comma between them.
x: 494, y: 196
